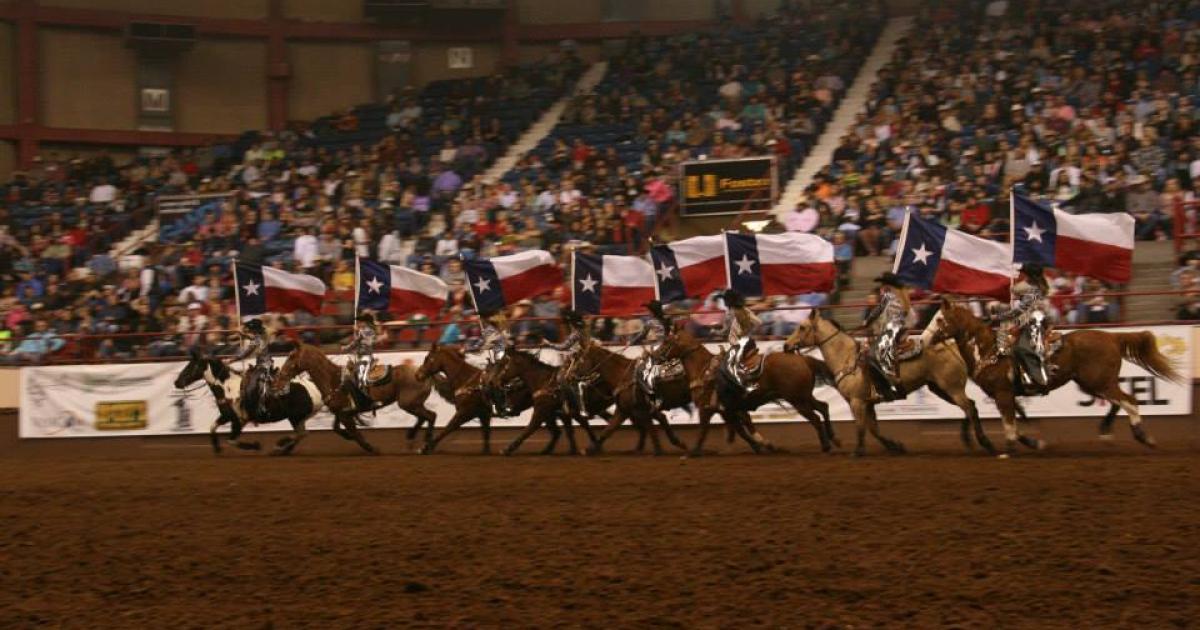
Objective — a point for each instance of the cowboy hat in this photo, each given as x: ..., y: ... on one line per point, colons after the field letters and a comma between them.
x: 890, y: 279
x: 655, y: 307
x: 254, y: 326
x: 732, y: 298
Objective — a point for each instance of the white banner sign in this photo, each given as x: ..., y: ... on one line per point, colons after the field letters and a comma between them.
x: 141, y: 399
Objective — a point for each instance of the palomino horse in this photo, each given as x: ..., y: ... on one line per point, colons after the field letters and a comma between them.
x: 1090, y: 358
x: 459, y: 383
x: 939, y: 367
x: 541, y: 379
x: 297, y: 405
x: 400, y: 386
x: 785, y: 376
x: 616, y: 384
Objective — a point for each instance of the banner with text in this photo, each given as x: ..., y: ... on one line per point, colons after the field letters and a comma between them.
x: 727, y: 186
x: 141, y: 399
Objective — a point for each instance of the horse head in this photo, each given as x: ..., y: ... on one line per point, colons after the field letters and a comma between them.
x: 951, y: 320
x: 437, y: 360
x: 193, y: 371
x: 806, y: 334
x: 678, y: 345
x: 294, y: 366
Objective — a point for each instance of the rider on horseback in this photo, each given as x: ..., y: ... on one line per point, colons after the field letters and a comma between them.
x: 1030, y: 315
x: 887, y: 321
x: 572, y: 348
x: 492, y: 341
x: 740, y: 324
x: 656, y: 330
x: 359, y: 364
x: 256, y: 340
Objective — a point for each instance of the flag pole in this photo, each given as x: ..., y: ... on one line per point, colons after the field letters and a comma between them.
x: 571, y: 251
x: 237, y: 294
x: 1012, y: 238
x: 357, y: 281
x: 725, y: 248
x: 902, y: 242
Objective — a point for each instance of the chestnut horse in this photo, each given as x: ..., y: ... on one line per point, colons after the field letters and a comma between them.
x: 460, y: 383
x: 785, y: 376
x: 1090, y: 358
x: 400, y: 386
x: 548, y: 408
x: 939, y: 367
x: 617, y: 384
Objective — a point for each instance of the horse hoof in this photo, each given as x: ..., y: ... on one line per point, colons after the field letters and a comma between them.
x: 1002, y: 456
x: 1105, y: 437
x: 897, y: 448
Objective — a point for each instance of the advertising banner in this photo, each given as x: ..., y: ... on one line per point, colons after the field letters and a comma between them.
x: 141, y: 399
x: 727, y: 186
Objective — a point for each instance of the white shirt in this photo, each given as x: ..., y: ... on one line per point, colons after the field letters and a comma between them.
x: 193, y: 293
x: 104, y: 193
x: 362, y: 242
x: 446, y: 247
x: 390, y: 250
x: 305, y: 251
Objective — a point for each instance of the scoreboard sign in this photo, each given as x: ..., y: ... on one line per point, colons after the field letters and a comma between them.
x: 727, y: 186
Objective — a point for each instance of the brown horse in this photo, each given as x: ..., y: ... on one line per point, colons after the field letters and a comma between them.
x: 460, y: 383
x: 785, y: 376
x: 1090, y: 358
x: 400, y: 386
x: 548, y: 409
x: 616, y: 385
x: 939, y: 367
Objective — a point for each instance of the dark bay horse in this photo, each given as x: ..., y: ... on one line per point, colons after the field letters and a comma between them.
x: 400, y: 386
x: 296, y: 405
x: 617, y: 384
x: 548, y: 408
x: 785, y: 376
x: 459, y: 383
x: 1090, y: 358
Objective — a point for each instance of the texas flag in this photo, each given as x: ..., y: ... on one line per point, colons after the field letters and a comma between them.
x: 611, y: 285
x: 693, y: 267
x: 498, y: 282
x: 931, y: 256
x: 1095, y: 245
x: 791, y: 263
x: 268, y: 290
x: 397, y: 290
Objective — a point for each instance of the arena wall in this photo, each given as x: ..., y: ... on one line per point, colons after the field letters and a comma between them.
x: 8, y: 77
x: 557, y: 12
x: 323, y: 10
x: 8, y: 157
x: 243, y: 9
x: 678, y: 10
x: 590, y: 52
x: 430, y: 62
x: 220, y: 87
x: 328, y: 76
x: 86, y: 80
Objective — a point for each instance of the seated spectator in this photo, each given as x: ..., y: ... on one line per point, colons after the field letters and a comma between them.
x: 37, y: 345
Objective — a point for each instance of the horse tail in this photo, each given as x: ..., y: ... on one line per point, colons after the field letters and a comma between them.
x: 1141, y: 349
x: 822, y: 375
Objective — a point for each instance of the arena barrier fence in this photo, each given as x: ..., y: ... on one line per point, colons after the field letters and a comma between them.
x: 140, y: 398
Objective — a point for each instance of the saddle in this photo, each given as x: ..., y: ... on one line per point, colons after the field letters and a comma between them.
x: 379, y: 375
x: 909, y: 348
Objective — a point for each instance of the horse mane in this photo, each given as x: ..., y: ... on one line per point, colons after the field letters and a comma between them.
x: 532, y: 357
x: 976, y: 328
x: 835, y: 323
x: 219, y: 369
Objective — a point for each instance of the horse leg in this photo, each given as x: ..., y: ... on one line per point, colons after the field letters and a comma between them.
x: 213, y: 437
x: 661, y: 419
x: 355, y: 434
x: 822, y: 408
x: 485, y: 422
x: 569, y: 430
x: 424, y: 417
x: 893, y: 446
x: 1107, y: 423
x: 737, y: 424
x: 461, y: 416
x: 806, y: 410
x: 287, y: 445
x: 613, y: 423
x: 587, y: 427
x: 534, y: 422
x: 555, y: 433
x: 235, y: 437
x: 964, y: 427
x: 705, y: 420
x: 1114, y: 394
x: 965, y: 403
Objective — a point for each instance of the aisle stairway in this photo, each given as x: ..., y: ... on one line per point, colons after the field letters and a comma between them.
x: 854, y: 102
x: 544, y: 125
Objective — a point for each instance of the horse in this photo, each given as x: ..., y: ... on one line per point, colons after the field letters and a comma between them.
x: 460, y: 383
x: 541, y: 379
x: 938, y: 367
x: 398, y: 385
x: 786, y: 376
x: 301, y: 401
x: 617, y: 385
x: 1090, y: 358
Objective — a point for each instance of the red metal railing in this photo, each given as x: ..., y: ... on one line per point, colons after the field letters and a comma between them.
x: 87, y: 348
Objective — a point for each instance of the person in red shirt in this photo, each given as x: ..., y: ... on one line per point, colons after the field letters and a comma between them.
x: 975, y: 216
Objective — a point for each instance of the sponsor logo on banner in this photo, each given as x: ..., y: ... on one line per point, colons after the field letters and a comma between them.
x: 121, y: 415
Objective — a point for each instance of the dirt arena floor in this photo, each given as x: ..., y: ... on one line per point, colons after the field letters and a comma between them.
x: 1080, y: 536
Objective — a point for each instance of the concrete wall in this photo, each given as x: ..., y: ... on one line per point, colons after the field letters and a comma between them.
x: 8, y: 159
x: 247, y: 9
x: 679, y: 10
x: 759, y: 8
x: 220, y: 87
x: 589, y: 52
x: 558, y: 12
x: 430, y: 63
x: 8, y: 73
x: 324, y: 10
x: 87, y: 80
x: 327, y: 77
